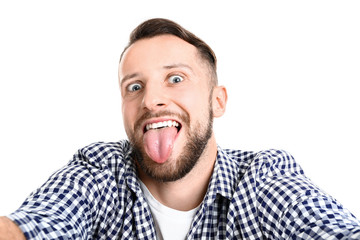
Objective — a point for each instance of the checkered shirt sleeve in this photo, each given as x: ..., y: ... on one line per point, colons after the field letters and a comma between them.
x: 275, y: 200
x: 84, y: 200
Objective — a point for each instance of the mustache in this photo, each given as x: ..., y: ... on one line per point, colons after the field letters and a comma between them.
x: 184, y: 118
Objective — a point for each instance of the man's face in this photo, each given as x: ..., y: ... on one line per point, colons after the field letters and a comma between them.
x: 166, y: 105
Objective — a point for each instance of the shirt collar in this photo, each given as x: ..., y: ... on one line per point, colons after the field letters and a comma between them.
x: 225, y: 176
x: 131, y: 177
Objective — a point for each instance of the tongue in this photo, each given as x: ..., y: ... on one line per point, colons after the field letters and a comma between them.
x: 159, y: 143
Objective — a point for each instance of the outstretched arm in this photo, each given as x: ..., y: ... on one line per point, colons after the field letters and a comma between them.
x: 9, y: 230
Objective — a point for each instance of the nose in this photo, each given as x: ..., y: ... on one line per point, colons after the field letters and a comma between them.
x: 155, y: 98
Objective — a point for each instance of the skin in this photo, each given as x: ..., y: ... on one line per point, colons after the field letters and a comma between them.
x: 149, y: 67
x: 9, y: 230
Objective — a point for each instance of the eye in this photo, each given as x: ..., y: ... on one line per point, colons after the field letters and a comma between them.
x: 175, y: 79
x: 133, y: 87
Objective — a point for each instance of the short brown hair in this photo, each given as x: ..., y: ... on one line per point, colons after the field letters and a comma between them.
x: 160, y: 26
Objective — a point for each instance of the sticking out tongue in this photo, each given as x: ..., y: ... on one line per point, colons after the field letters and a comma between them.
x: 159, y: 143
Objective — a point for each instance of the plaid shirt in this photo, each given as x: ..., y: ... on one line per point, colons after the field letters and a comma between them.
x: 262, y: 195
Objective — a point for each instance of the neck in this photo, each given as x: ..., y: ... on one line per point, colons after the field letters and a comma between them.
x: 188, y: 192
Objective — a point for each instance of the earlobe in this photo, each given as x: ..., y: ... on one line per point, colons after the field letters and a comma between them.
x: 219, y: 100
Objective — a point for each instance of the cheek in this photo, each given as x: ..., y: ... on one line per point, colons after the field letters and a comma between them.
x: 129, y: 114
x: 195, y: 102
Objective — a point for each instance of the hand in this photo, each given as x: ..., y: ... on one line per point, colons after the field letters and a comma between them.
x: 9, y: 230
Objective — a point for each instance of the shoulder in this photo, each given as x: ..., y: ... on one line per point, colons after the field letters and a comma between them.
x: 279, y: 162
x: 262, y: 163
x: 99, y: 160
x: 105, y: 149
x: 99, y: 153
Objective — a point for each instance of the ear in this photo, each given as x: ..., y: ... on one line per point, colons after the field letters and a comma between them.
x: 219, y: 100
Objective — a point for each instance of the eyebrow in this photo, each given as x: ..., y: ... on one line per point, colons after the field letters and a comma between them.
x: 127, y: 77
x: 177, y: 65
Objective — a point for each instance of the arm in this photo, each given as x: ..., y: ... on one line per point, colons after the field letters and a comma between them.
x: 9, y: 230
x: 319, y: 217
x: 64, y: 207
x: 77, y: 202
x: 292, y: 206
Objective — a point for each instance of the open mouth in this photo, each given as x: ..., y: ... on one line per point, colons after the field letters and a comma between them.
x: 162, y: 124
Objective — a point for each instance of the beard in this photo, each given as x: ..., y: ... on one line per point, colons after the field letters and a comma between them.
x: 174, y: 169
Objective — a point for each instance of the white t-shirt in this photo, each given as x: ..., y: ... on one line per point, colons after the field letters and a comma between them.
x: 169, y: 223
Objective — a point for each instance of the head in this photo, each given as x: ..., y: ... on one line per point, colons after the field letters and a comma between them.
x: 169, y: 98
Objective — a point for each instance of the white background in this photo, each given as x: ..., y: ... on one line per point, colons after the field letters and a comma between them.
x: 292, y: 69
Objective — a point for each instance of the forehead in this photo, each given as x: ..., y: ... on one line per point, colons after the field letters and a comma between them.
x: 158, y: 51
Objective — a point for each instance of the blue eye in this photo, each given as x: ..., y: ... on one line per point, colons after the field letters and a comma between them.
x: 134, y: 87
x: 175, y: 79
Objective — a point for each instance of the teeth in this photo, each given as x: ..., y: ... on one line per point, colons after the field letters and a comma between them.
x: 168, y: 123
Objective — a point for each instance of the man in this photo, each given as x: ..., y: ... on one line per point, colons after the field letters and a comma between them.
x: 171, y: 180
